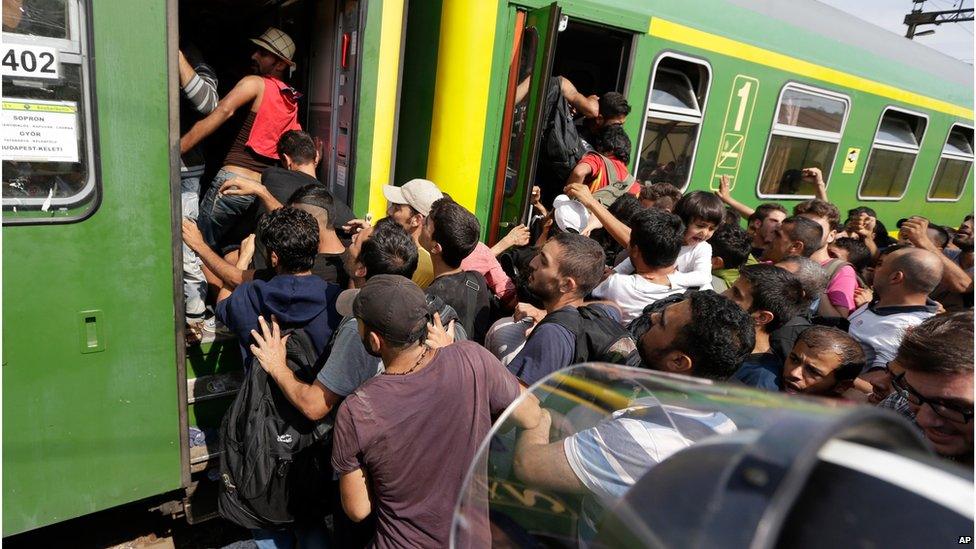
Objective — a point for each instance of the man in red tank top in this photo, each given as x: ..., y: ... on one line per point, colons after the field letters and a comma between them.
x: 223, y: 220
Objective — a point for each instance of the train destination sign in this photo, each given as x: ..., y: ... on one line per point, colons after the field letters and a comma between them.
x: 39, y: 131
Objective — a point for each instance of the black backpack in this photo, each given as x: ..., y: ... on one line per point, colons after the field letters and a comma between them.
x: 599, y: 338
x: 275, y: 463
x: 561, y: 141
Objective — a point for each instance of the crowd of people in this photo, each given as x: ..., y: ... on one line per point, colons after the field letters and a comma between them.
x: 426, y: 334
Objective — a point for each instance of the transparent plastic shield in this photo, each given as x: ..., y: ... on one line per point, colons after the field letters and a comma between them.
x: 610, y: 425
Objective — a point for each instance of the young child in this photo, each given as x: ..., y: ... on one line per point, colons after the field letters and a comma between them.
x: 702, y: 212
x: 731, y: 249
x: 824, y: 362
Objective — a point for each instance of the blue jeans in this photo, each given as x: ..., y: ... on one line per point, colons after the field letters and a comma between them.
x: 221, y: 216
x: 194, y: 283
x: 300, y: 537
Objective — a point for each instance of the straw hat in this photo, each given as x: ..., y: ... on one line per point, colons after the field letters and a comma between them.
x: 278, y: 43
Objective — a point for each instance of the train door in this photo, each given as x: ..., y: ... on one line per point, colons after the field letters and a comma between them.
x: 595, y: 58
x: 528, y: 80
x: 334, y: 85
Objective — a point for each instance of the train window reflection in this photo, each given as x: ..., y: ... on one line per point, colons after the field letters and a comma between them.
x: 47, y: 167
x: 808, y: 126
x: 955, y: 165
x: 679, y: 89
x: 893, y: 154
x: 527, y: 53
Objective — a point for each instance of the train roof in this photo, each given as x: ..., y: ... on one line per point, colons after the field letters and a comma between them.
x: 804, y: 29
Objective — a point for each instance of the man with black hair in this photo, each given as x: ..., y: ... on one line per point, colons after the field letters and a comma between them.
x: 314, y: 199
x: 838, y: 299
x: 450, y: 233
x: 823, y: 362
x: 611, y: 151
x: 383, y: 249
x: 295, y: 297
x: 762, y: 222
x: 567, y: 268
x: 730, y: 250
x: 655, y: 240
x: 772, y: 296
x: 405, y: 439
x: 278, y: 185
x: 795, y: 236
x: 704, y: 335
x: 613, y: 109
x: 852, y: 251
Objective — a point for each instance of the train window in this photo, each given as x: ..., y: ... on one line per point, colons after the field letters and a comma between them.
x: 893, y: 155
x: 47, y: 136
x: 955, y: 164
x: 808, y: 126
x: 679, y: 88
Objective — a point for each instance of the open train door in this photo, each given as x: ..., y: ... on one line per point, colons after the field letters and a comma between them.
x: 528, y: 81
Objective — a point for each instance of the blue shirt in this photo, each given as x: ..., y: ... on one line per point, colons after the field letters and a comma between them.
x: 761, y: 370
x: 297, y: 301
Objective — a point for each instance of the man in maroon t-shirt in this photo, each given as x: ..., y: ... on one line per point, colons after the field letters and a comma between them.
x: 405, y: 439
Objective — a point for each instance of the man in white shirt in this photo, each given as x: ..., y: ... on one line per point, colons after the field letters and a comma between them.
x: 901, y: 299
x: 655, y: 241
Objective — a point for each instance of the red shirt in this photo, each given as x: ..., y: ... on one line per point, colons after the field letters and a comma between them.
x: 277, y: 114
x: 598, y: 177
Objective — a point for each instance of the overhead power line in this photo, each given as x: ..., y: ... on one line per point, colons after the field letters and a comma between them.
x: 917, y: 18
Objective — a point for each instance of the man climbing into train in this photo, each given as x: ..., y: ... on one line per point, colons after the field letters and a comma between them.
x: 273, y: 111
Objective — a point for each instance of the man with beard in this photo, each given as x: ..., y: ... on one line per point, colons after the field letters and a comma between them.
x: 567, y: 268
x: 273, y: 111
x: 955, y: 292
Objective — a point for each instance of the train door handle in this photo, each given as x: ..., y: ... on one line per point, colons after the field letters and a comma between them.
x: 91, y: 331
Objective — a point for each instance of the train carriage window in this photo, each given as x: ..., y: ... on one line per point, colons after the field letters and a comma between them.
x: 893, y: 155
x: 808, y: 126
x: 47, y: 136
x: 679, y: 88
x: 955, y: 164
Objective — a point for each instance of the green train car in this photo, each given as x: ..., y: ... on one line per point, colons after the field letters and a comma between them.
x: 99, y: 391
x: 743, y: 88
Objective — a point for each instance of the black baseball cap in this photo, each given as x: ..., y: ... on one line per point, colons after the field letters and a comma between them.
x: 394, y: 307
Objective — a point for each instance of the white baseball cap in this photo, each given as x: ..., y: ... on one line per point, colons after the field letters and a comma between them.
x: 569, y: 215
x: 419, y: 194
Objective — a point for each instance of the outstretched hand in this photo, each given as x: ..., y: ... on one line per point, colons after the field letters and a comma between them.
x: 269, y: 346
x: 723, y: 189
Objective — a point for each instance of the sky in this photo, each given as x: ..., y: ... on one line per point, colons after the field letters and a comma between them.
x: 955, y: 39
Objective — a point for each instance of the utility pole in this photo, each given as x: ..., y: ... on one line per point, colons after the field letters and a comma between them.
x: 917, y: 18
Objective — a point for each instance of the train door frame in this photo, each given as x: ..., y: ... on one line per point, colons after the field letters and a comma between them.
x: 502, y: 207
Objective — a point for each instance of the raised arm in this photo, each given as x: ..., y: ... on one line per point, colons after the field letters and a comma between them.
x: 587, y: 106
x: 246, y: 91
x: 229, y: 274
x: 954, y: 278
x: 199, y: 84
x: 726, y: 196
x: 613, y: 226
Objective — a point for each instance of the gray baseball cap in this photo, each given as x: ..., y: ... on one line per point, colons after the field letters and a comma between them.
x: 419, y: 194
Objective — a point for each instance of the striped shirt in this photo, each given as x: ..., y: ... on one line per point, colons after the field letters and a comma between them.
x: 611, y: 457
